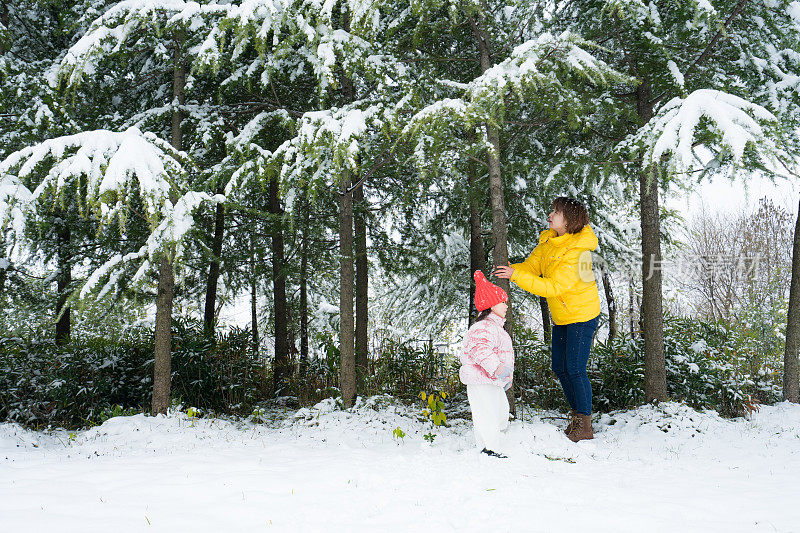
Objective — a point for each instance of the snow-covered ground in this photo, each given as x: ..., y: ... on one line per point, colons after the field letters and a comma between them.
x: 666, y: 468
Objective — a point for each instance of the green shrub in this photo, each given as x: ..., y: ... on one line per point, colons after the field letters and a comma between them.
x: 403, y: 369
x: 716, y: 366
x: 92, y: 379
x: 88, y: 380
x: 317, y: 378
x: 74, y: 385
x: 218, y: 374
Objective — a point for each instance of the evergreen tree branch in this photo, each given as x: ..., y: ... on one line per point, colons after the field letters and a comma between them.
x: 706, y: 53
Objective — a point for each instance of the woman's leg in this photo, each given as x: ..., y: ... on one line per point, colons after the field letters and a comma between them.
x: 558, y: 352
x: 579, y: 343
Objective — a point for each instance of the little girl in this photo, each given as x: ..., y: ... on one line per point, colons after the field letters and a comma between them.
x: 487, y: 365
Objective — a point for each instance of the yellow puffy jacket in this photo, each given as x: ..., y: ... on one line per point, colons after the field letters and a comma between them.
x: 560, y: 269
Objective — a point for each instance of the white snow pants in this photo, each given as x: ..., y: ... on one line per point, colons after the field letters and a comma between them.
x: 489, y: 406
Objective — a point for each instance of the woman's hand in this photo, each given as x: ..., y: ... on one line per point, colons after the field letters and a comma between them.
x: 504, y: 272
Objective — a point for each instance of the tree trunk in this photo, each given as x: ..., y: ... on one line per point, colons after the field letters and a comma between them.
x: 362, y: 285
x: 254, y: 300
x: 631, y: 302
x: 304, y: 284
x: 477, y: 255
x: 281, y: 366
x: 496, y: 195
x: 209, y: 319
x: 612, y: 303
x: 64, y: 279
x: 346, y: 321
x: 547, y: 325
x: 166, y: 274
x: 5, y: 265
x: 162, y: 368
x: 178, y: 93
x: 348, y: 375
x: 655, y: 374
x: 792, y: 349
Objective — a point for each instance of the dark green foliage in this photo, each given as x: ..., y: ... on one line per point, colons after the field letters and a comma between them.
x: 217, y: 374
x: 43, y: 384
x: 533, y: 377
x: 84, y: 382
x: 320, y: 376
x: 403, y: 369
x: 616, y: 371
x: 709, y: 365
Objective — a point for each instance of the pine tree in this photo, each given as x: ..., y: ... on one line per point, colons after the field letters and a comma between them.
x: 676, y: 51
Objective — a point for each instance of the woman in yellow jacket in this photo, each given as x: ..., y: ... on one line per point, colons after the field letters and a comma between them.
x: 560, y: 269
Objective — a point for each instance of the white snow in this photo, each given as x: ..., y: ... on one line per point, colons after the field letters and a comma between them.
x: 113, y: 163
x: 794, y: 12
x: 666, y: 468
x: 676, y: 73
x: 737, y: 121
x: 14, y: 199
x: 699, y: 346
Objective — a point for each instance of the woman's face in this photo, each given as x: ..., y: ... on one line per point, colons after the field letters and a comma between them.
x: 558, y: 222
x: 500, y: 309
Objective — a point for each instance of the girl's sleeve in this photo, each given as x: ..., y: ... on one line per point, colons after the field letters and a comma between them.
x: 563, y: 279
x: 480, y: 350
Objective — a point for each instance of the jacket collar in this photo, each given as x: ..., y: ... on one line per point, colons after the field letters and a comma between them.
x: 495, y: 318
x: 584, y: 239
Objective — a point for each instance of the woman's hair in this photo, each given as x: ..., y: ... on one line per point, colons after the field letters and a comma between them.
x: 483, y: 314
x: 575, y: 212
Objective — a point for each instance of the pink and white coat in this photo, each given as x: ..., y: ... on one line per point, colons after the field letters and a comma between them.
x: 487, y: 349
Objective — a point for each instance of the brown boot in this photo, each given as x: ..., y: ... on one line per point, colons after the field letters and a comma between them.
x: 573, y: 420
x: 583, y: 429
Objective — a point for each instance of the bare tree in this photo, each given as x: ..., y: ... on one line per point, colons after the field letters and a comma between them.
x: 738, y: 262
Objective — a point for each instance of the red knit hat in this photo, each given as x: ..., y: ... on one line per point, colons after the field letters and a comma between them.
x: 487, y: 294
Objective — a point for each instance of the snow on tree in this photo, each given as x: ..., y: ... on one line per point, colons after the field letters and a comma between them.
x: 722, y: 122
x: 113, y: 167
x: 129, y: 22
x: 547, y: 85
x: 537, y: 72
x: 14, y: 199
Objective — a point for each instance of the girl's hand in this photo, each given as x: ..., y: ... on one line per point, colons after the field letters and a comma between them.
x: 504, y: 373
x: 504, y: 272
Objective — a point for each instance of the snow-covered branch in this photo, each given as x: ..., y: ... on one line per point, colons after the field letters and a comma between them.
x: 14, y: 199
x: 114, y: 167
x: 731, y: 122
x: 126, y: 21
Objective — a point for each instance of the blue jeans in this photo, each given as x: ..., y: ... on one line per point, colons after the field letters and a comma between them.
x: 570, y: 351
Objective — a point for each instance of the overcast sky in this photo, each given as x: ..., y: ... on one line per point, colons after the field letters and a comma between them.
x: 722, y: 196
